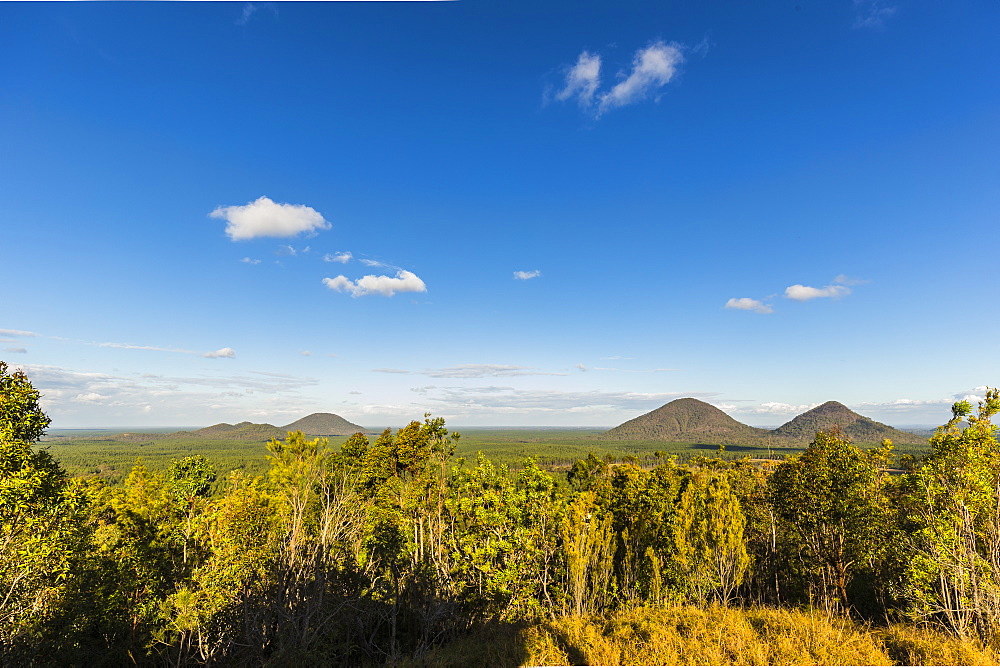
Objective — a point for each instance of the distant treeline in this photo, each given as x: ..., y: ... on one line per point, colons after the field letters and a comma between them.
x: 391, y: 550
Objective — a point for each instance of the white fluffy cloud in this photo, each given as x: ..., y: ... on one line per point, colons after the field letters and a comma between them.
x: 582, y: 79
x: 221, y: 352
x: 342, y: 258
x: 525, y: 275
x: 387, y: 286
x: 748, y: 304
x: 803, y: 293
x: 652, y: 68
x: 266, y: 218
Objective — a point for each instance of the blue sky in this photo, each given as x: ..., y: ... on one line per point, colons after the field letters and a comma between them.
x: 503, y: 213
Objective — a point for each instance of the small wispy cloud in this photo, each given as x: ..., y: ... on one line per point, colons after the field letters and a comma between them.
x: 486, y: 371
x: 844, y: 279
x: 387, y: 286
x: 16, y: 333
x: 249, y: 9
x: 89, y: 398
x: 804, y: 293
x: 266, y: 218
x: 582, y: 367
x: 342, y: 258
x: 653, y: 67
x: 582, y: 80
x: 872, y: 13
x: 250, y: 260
x: 15, y: 349
x: 116, y: 345
x: 252, y: 9
x: 160, y: 349
x: 748, y: 304
x: 476, y: 371
x: 285, y: 250
x: 305, y: 353
x: 373, y: 263
x: 611, y: 368
x: 527, y: 275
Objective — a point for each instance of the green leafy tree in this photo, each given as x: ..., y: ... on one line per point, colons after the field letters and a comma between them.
x: 43, y: 531
x: 952, y: 511
x: 191, y: 481
x: 709, y: 548
x: 133, y: 562
x: 588, y: 541
x: 832, y: 499
x: 502, y: 539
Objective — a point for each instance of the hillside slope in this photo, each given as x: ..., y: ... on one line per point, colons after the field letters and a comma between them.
x: 324, y: 424
x: 243, y: 430
x: 686, y: 420
x: 824, y: 417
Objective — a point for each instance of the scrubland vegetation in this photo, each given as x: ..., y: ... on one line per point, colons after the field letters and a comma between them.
x: 392, y: 550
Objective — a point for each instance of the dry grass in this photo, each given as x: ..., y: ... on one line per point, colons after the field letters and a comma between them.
x: 688, y: 636
x: 716, y: 636
x: 910, y: 646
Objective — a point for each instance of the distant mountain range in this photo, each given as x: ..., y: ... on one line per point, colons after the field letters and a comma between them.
x: 317, y: 424
x: 693, y: 421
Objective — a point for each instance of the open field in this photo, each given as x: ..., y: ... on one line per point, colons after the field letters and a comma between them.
x: 108, y: 455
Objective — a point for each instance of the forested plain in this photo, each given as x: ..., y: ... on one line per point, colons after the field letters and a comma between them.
x: 407, y: 548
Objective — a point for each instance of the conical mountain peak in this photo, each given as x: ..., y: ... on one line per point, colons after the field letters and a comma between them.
x: 686, y: 419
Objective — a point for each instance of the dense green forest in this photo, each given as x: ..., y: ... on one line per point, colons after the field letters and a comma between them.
x: 393, y: 550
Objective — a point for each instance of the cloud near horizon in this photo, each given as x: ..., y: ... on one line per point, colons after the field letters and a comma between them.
x: 17, y: 333
x: 387, y: 286
x: 72, y: 396
x: 474, y: 401
x: 221, y: 352
x: 266, y: 218
x: 477, y: 371
x: 653, y: 67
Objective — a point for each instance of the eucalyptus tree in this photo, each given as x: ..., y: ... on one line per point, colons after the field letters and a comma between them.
x: 832, y: 497
x: 952, y: 514
x: 43, y: 531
